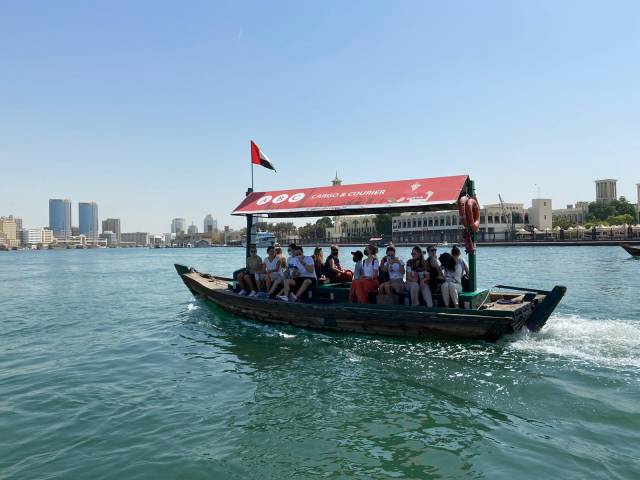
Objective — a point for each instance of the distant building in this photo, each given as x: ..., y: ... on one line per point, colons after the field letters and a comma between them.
x: 178, y: 225
x: 75, y: 231
x: 638, y: 201
x: 606, y: 190
x: 112, y: 225
x: 192, y: 230
x: 541, y: 213
x: 137, y: 239
x: 495, y: 219
x: 351, y: 226
x: 88, y: 220
x: 60, y: 217
x: 36, y: 237
x: 573, y: 214
x: 110, y: 237
x: 8, y: 233
x: 210, y: 224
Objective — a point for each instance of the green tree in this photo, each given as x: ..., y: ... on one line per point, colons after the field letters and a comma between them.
x: 562, y: 223
x: 325, y: 222
x: 621, y: 219
x: 383, y: 223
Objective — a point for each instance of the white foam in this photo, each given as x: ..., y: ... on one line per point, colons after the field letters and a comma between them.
x: 608, y: 342
x: 191, y: 306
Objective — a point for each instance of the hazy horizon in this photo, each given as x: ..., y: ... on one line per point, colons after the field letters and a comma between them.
x: 148, y: 108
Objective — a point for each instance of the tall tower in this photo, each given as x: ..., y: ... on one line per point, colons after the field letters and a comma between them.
x: 336, y: 181
x: 606, y: 190
x: 178, y: 225
x: 210, y: 224
x: 60, y: 217
x: 88, y: 219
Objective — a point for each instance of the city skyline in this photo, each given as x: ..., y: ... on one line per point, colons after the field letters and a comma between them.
x: 423, y: 90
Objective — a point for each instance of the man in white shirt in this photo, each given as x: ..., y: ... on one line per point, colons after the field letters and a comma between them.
x: 303, y: 276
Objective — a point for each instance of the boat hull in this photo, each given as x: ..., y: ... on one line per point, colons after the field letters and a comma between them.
x: 391, y: 320
x: 631, y: 249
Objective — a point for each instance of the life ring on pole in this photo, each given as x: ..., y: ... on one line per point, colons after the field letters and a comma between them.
x: 472, y: 214
x: 461, y: 210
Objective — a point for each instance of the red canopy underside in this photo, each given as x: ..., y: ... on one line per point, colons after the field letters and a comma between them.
x: 424, y: 194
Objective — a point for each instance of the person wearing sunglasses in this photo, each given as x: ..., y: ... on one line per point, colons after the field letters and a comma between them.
x: 333, y: 270
x: 249, y: 280
x: 418, y: 278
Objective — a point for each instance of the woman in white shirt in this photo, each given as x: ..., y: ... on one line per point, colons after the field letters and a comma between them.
x: 362, y: 287
x: 452, y: 285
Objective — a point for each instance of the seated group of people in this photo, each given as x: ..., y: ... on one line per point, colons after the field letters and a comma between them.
x: 289, y: 278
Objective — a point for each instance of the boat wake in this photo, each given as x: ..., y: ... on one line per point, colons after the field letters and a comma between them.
x: 606, y: 343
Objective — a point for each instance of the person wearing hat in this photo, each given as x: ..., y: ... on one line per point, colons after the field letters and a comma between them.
x: 368, y: 283
x: 333, y: 270
x: 357, y: 259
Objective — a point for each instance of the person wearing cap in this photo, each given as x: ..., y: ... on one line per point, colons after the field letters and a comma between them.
x: 368, y: 283
x: 394, y: 268
x: 333, y: 270
x: 357, y: 269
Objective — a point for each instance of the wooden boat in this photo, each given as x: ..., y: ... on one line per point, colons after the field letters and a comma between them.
x: 483, y: 314
x: 633, y: 250
x: 327, y: 309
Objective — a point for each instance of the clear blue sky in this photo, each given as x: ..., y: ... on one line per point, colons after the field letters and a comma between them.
x: 147, y: 107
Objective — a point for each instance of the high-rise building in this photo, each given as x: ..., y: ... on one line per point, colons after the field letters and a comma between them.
x: 210, y: 224
x: 192, y: 230
x: 606, y: 190
x: 88, y: 220
x: 178, y: 225
x: 60, y: 217
x: 112, y: 225
x: 8, y: 231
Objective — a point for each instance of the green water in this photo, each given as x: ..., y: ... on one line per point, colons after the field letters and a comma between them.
x: 109, y: 368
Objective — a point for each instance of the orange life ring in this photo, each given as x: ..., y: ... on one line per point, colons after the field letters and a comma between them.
x: 472, y: 214
x: 461, y: 210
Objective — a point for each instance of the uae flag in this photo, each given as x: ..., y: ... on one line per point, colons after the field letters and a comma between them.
x: 259, y: 158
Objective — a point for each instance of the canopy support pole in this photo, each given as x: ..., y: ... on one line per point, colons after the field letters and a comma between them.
x: 473, y: 278
x: 249, y: 221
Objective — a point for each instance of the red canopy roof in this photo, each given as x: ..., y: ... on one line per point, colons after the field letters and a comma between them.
x: 422, y: 194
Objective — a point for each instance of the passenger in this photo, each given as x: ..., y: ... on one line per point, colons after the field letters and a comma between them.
x: 394, y: 268
x: 303, y: 276
x: 271, y: 267
x: 418, y: 278
x: 247, y: 279
x: 361, y: 288
x: 277, y: 281
x: 334, y: 271
x: 436, y: 276
x: 357, y: 259
x: 455, y: 253
x: 452, y: 285
x: 318, y: 264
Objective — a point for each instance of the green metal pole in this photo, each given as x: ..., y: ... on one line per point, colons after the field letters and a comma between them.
x: 473, y: 279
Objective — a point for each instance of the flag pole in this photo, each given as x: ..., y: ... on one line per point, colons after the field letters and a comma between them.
x: 249, y: 220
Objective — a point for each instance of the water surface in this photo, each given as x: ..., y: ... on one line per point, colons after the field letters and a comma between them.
x: 109, y: 368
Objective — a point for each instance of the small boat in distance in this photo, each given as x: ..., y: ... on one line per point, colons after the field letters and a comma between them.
x: 633, y: 250
x: 482, y: 314
x: 262, y: 240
